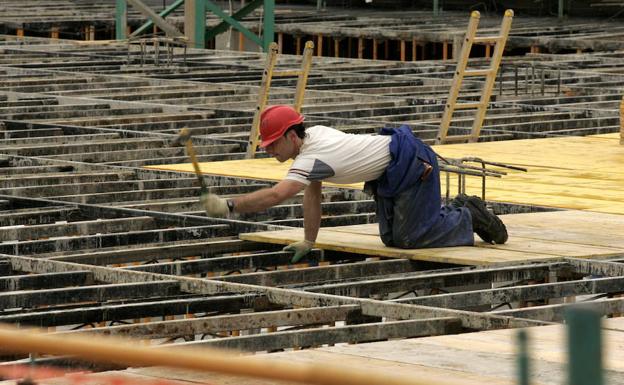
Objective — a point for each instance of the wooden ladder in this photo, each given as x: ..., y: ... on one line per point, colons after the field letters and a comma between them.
x: 480, y: 107
x: 265, y: 85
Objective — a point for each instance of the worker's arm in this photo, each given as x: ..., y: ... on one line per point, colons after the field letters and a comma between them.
x: 267, y: 197
x: 311, y: 222
x: 262, y: 199
x: 312, y: 210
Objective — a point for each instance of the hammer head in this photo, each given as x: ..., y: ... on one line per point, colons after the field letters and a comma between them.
x: 183, y: 137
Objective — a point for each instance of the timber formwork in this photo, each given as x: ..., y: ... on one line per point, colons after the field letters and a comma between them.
x: 94, y: 243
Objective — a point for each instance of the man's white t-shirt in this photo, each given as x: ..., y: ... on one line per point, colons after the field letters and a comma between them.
x: 334, y: 156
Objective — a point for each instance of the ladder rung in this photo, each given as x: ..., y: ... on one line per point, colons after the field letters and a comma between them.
x: 487, y: 39
x: 453, y: 138
x: 485, y: 72
x: 287, y: 73
x: 466, y: 106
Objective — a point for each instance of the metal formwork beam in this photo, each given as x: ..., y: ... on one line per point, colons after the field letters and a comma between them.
x: 341, y: 334
x: 215, y: 324
x: 520, y: 293
x: 279, y: 296
x: 96, y: 293
x: 115, y: 312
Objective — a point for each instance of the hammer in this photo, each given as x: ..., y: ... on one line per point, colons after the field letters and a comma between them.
x: 185, y: 138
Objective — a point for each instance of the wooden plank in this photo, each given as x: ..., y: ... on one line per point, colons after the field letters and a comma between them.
x: 372, y: 245
x: 533, y: 236
x: 557, y: 176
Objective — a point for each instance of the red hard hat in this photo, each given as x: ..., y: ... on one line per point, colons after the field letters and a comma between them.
x: 274, y: 122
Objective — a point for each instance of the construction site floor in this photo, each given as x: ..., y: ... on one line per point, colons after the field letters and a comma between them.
x: 582, y: 173
x: 470, y: 359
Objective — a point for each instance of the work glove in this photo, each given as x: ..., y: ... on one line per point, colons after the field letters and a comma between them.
x: 301, y: 249
x: 214, y: 205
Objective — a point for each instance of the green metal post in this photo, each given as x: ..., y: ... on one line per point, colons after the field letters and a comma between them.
x: 269, y: 24
x: 436, y: 9
x: 195, y: 23
x: 121, y: 19
x: 560, y: 11
x: 584, y: 343
x: 523, y: 358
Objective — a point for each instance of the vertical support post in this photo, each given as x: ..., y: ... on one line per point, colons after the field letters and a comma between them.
x: 375, y: 45
x: 360, y: 47
x: 584, y: 347
x: 298, y: 45
x: 195, y: 22
x: 445, y: 50
x: 622, y: 121
x: 268, y: 24
x: 319, y: 45
x: 280, y: 42
x: 402, y: 44
x: 121, y: 19
x: 560, y: 9
x: 436, y: 9
x: 414, y: 48
x: 54, y: 33
x: 336, y: 47
x: 20, y: 32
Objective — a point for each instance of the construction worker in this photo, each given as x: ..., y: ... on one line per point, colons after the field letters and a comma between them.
x: 399, y: 170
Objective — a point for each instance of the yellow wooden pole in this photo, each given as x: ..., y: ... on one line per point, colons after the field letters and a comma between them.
x: 127, y: 352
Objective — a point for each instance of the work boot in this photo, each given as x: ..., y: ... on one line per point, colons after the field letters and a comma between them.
x: 486, y: 224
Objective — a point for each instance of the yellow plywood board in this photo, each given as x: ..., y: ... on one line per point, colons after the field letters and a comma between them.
x: 532, y: 237
x: 581, y: 173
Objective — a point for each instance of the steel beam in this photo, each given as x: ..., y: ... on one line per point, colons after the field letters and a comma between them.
x: 169, y: 29
x: 45, y: 281
x: 215, y: 324
x: 115, y: 312
x: 520, y: 293
x: 341, y: 334
x: 164, y: 13
x: 96, y: 293
x: 276, y: 295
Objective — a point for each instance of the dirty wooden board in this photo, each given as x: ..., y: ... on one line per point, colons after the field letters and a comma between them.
x: 561, y: 174
x: 536, y: 236
x: 468, y: 359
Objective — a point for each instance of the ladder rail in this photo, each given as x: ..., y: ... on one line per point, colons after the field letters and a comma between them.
x: 461, y: 72
x: 497, y: 56
x: 265, y: 86
x: 458, y: 76
x: 302, y: 81
x: 263, y: 96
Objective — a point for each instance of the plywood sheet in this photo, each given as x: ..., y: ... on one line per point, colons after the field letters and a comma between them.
x: 581, y: 173
x: 532, y: 237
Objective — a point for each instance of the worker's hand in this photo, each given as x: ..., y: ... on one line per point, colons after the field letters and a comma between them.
x: 301, y: 249
x: 214, y: 205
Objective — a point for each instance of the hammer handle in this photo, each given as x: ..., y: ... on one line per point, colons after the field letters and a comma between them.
x: 191, y: 152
